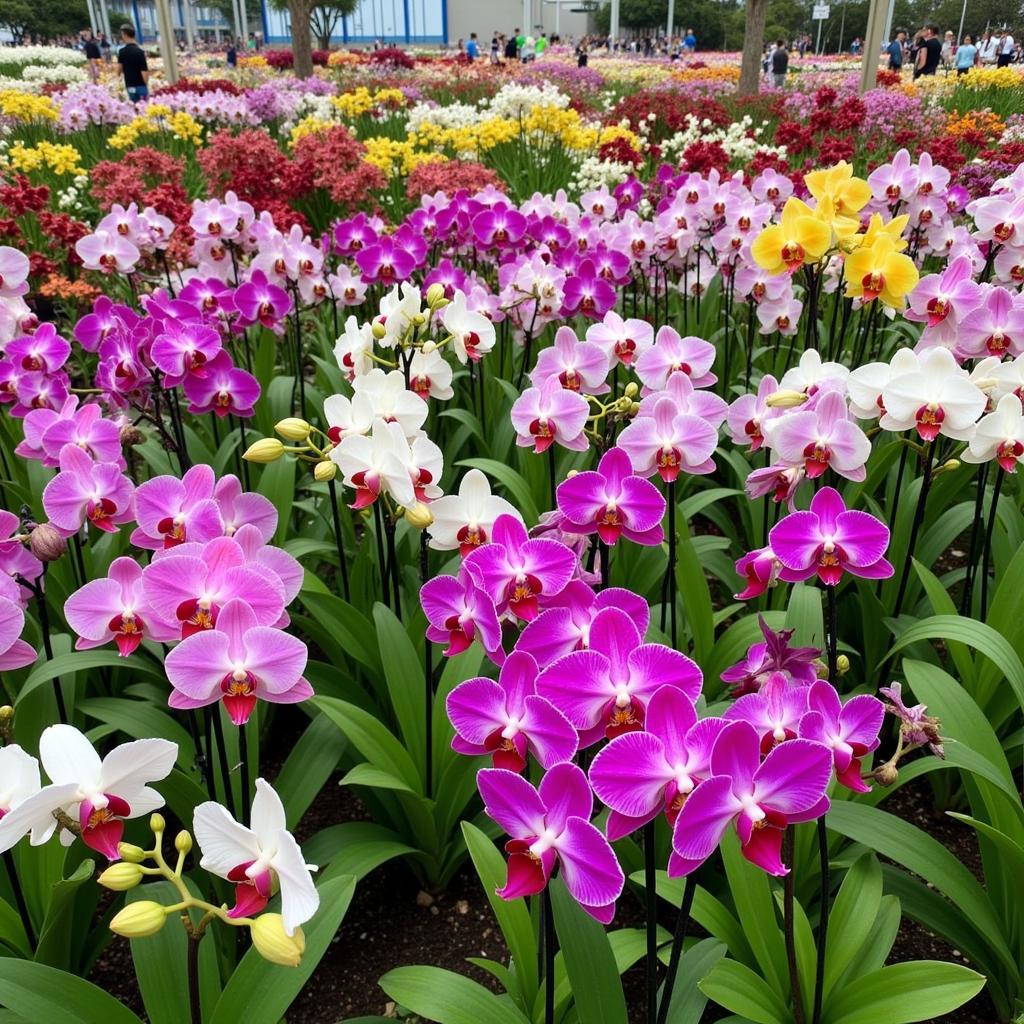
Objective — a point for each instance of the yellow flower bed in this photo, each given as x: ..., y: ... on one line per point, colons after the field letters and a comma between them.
x: 158, y: 118
x: 59, y: 158
x: 24, y: 106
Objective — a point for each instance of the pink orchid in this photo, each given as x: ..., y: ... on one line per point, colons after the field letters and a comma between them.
x: 222, y: 388
x: 774, y: 710
x: 87, y: 492
x: 673, y: 354
x: 622, y: 341
x: 669, y: 443
x: 773, y: 656
x: 237, y: 663
x: 172, y: 511
x: 849, y: 730
x: 15, y: 653
x: 687, y: 399
x: 993, y: 328
x: 240, y: 508
x: 458, y: 612
x: 748, y: 414
x: 45, y: 351
x: 550, y: 414
x: 183, y: 349
x: 578, y: 365
x: 760, y: 569
x: 941, y: 300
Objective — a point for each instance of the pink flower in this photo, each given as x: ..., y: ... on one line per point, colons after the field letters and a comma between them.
x: 240, y: 508
x: 15, y: 653
x: 86, y: 491
x: 222, y: 388
x: 172, y: 511
x: 760, y: 569
x: 237, y: 663
x: 458, y: 611
x: 669, y: 443
x: 549, y: 414
x: 673, y: 354
x: 849, y: 730
x: 748, y: 414
x: 622, y: 341
x: 774, y: 710
x: 44, y: 351
x: 578, y: 365
x: 107, y: 251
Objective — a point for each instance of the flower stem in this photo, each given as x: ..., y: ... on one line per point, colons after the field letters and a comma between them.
x: 192, y: 954
x: 222, y: 757
x: 552, y: 481
x: 342, y: 565
x: 787, y: 924
x: 428, y: 678
x: 389, y: 530
x: 682, y: 924
x: 19, y: 899
x: 549, y: 958
x: 987, y: 553
x: 243, y: 757
x: 915, y: 529
x: 672, y: 583
x: 651, y: 892
x: 972, y: 557
x: 823, y: 910
x: 385, y: 581
x: 44, y: 625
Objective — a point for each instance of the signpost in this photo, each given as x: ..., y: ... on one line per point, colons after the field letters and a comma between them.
x: 820, y: 15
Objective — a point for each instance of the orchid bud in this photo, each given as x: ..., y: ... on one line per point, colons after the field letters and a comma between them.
x: 121, y: 877
x: 435, y: 296
x: 265, y: 450
x: 131, y: 435
x: 378, y: 331
x: 886, y: 774
x: 131, y: 853
x: 634, y: 408
x: 785, y: 399
x: 419, y: 516
x: 46, y: 543
x: 842, y: 664
x: 273, y: 943
x: 183, y: 842
x: 293, y: 429
x: 139, y: 920
x: 325, y: 471
x: 632, y: 389
x: 157, y: 823
x: 948, y: 466
x: 419, y: 320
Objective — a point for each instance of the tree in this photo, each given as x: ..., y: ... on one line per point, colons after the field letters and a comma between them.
x: 324, y: 20
x: 311, y: 16
x: 43, y: 19
x: 753, y: 46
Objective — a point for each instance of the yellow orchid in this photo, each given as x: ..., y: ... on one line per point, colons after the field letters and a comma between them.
x: 893, y: 228
x: 878, y: 271
x: 842, y: 228
x: 849, y: 194
x: 800, y: 237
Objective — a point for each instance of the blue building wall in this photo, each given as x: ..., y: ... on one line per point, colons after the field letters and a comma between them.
x: 392, y: 21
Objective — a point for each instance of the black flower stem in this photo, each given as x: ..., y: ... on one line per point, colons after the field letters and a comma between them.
x: 682, y: 925
x: 972, y: 558
x: 915, y: 529
x: 300, y: 379
x: 76, y: 544
x: 390, y: 525
x: 192, y: 954
x: 651, y: 892
x: 385, y: 582
x: 19, y: 899
x: 672, y: 583
x: 987, y: 555
x: 342, y: 565
x: 428, y: 677
x: 44, y: 624
x: 896, y: 500
x: 201, y: 763
x: 549, y: 958
x: 222, y: 757
x: 787, y: 926
x: 243, y: 767
x: 824, y: 910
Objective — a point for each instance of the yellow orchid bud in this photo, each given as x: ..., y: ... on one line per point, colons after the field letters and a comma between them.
x: 419, y: 515
x: 131, y: 853
x: 435, y: 296
x: 265, y: 450
x: 419, y: 319
x: 157, y: 823
x: 842, y: 664
x: 632, y: 389
x: 273, y: 943
x: 378, y: 331
x: 121, y: 876
x: 324, y: 471
x: 183, y: 842
x: 139, y: 920
x: 785, y: 399
x: 293, y: 429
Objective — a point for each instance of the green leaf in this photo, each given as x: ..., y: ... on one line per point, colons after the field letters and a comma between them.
x: 513, y: 916
x: 740, y: 990
x: 447, y: 997
x: 55, y: 936
x: 804, y: 615
x: 39, y: 993
x: 310, y: 764
x: 853, y: 915
x: 696, y: 595
x: 82, y: 661
x: 688, y: 1001
x: 403, y: 672
x: 589, y: 961
x: 904, y: 993
x: 140, y: 720
x: 367, y: 775
x: 355, y: 848
x: 345, y: 625
x: 259, y: 992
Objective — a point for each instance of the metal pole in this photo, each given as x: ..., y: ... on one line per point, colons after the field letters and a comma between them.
x: 960, y: 33
x: 527, y: 17
x: 93, y: 20
x: 671, y: 19
x: 168, y: 48
x: 842, y: 28
x: 243, y: 16
x: 237, y: 29
x: 817, y: 45
x: 187, y: 13
x: 105, y: 19
x: 613, y: 29
x: 887, y: 34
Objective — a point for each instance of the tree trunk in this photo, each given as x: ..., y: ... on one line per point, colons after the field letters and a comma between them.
x: 302, y: 49
x: 753, y: 47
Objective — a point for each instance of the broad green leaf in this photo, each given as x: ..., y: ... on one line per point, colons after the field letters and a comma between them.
x: 903, y: 993
x: 688, y: 1001
x: 354, y: 848
x: 39, y: 993
x: 695, y: 593
x: 403, y: 672
x: 589, y: 961
x: 56, y: 933
x: 804, y: 616
x: 853, y: 915
x: 366, y: 774
x: 310, y: 764
x: 82, y: 661
x: 740, y: 990
x: 259, y: 992
x: 140, y: 720
x: 448, y: 998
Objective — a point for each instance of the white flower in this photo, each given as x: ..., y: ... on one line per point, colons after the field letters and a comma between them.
x: 247, y: 856
x: 19, y: 778
x: 398, y: 308
x: 99, y: 795
x: 391, y: 401
x: 430, y: 374
x: 354, y: 349
x: 472, y: 334
x: 866, y: 383
x: 811, y: 372
x: 465, y: 520
x: 999, y: 436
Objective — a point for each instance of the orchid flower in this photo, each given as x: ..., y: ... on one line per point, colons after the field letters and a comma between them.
x: 240, y: 508
x: 829, y: 540
x: 999, y: 436
x: 613, y: 502
x: 849, y: 730
x: 760, y: 569
x: 507, y: 718
x: 762, y: 660
x: 774, y: 710
x: 222, y: 388
x: 578, y: 365
x: 238, y: 663
x: 99, y: 795
x: 604, y: 689
x: 760, y: 798
x: 170, y: 511
x: 19, y: 772
x: 994, y: 328
x: 87, y: 492
x: 749, y: 413
x: 672, y: 354
x: 669, y: 443
x: 254, y: 857
x: 622, y: 341
x: 639, y: 775
x: 551, y: 414
x: 551, y: 825
x: 472, y: 334
x: 15, y: 653
x: 917, y: 727
x: 466, y: 520
x: 458, y: 612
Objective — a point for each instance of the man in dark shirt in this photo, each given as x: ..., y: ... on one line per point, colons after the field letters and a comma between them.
x: 930, y: 54
x: 780, y: 64
x: 896, y: 52
x: 92, y: 55
x: 132, y: 59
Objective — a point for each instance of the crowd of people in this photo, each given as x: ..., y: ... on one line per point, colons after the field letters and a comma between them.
x: 519, y: 47
x: 928, y: 52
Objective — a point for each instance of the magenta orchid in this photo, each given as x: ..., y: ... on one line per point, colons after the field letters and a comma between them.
x: 849, y: 730
x: 551, y: 825
x: 170, y: 511
x: 773, y: 656
x: 578, y: 365
x: 775, y: 710
x: 15, y: 653
x: 458, y: 612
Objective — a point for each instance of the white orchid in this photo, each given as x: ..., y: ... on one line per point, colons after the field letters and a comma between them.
x: 810, y: 373
x: 866, y: 383
x: 466, y: 520
x: 391, y: 401
x: 999, y: 436
x: 430, y: 374
x: 472, y: 333
x: 19, y: 778
x: 98, y: 794
x: 354, y: 349
x: 252, y: 857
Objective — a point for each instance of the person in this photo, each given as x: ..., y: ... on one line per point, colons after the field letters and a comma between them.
x: 528, y: 51
x: 582, y: 57
x: 966, y: 56
x: 105, y: 47
x: 520, y: 39
x: 948, y: 50
x: 989, y: 49
x: 930, y: 53
x: 232, y: 54
x: 780, y: 64
x: 132, y: 59
x: 472, y: 47
x: 542, y: 44
x: 689, y: 41
x: 512, y: 46
x: 855, y: 47
x: 495, y: 48
x: 92, y: 55
x: 1006, y: 50
x: 895, y: 51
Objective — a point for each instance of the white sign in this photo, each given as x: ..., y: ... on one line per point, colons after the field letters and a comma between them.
x: 820, y: 12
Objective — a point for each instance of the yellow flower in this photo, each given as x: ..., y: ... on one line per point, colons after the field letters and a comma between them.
x: 799, y: 238
x: 893, y: 229
x: 849, y: 194
x: 878, y: 271
x: 273, y: 943
x: 23, y: 106
x: 842, y: 228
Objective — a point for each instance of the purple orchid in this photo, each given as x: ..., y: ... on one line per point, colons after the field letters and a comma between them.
x: 518, y: 572
x: 604, y: 689
x: 613, y: 502
x: 458, y: 611
x: 587, y: 293
x: 917, y: 727
x: 184, y: 349
x: 507, y: 718
x: 774, y: 655
x: 45, y: 351
x: 774, y: 711
x: 549, y: 825
x: 760, y: 569
x: 849, y: 730
x: 222, y: 388
x: 639, y: 775
x: 760, y: 798
x: 260, y: 301
x: 993, y: 328
x: 170, y: 511
x: 237, y: 663
x: 941, y: 300
x: 385, y: 261
x: 87, y: 492
x: 564, y: 625
x: 551, y: 414
x: 15, y: 653
x: 829, y: 540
